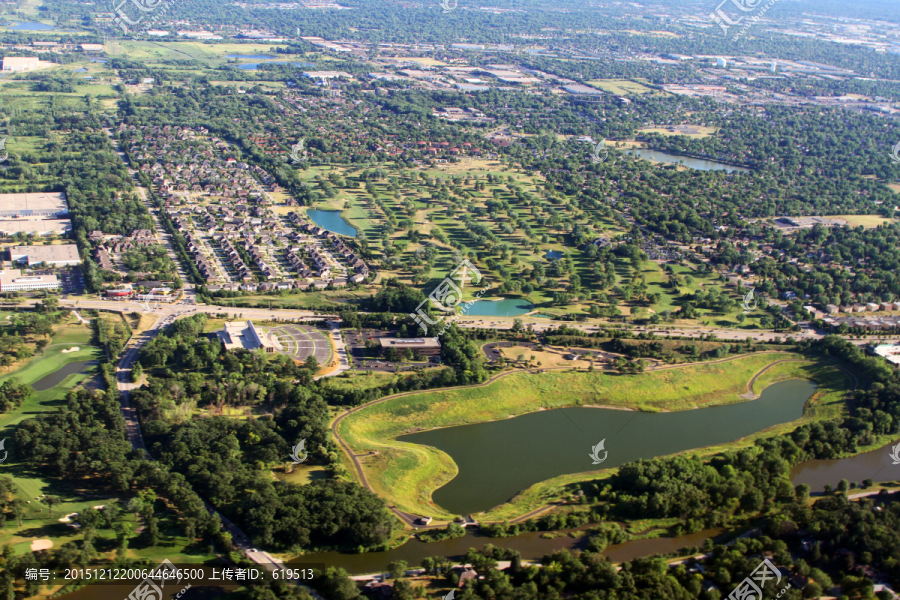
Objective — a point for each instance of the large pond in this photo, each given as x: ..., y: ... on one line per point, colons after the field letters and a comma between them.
x: 530, y: 545
x: 251, y: 56
x: 58, y: 376
x: 508, y: 307
x: 29, y: 26
x: 876, y: 465
x: 499, y: 459
x: 693, y: 163
x: 331, y: 220
x: 254, y: 66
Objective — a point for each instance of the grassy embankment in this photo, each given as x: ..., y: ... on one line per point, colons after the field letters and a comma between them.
x: 407, y: 474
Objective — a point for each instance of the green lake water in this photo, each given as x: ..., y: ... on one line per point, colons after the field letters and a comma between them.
x: 499, y: 459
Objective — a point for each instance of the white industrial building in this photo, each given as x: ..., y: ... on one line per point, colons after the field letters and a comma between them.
x: 41, y: 204
x: 19, y: 64
x: 14, y: 281
x: 42, y: 227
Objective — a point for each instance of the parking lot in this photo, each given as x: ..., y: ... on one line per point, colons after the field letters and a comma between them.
x: 300, y: 342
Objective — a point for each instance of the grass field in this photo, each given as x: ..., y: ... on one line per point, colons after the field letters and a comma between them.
x: 701, y: 131
x: 620, y: 87
x: 867, y: 221
x: 212, y: 55
x: 407, y: 474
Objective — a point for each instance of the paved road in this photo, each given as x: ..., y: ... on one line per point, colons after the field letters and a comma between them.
x: 133, y: 430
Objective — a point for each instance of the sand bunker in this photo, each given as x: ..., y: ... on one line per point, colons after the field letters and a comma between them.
x: 99, y: 507
x: 72, y: 349
x: 68, y: 518
x: 41, y: 545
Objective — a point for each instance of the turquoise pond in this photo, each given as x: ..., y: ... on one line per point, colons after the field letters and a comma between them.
x: 331, y: 220
x: 508, y: 307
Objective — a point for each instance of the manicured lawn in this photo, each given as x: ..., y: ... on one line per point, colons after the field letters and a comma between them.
x: 867, y: 221
x: 620, y: 87
x: 406, y: 474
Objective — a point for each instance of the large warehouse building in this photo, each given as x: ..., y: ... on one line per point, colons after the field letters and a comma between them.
x: 18, y: 64
x: 42, y: 204
x: 58, y: 256
x: 37, y: 214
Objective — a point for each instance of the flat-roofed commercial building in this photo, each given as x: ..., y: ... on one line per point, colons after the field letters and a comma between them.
x: 36, y: 226
x: 243, y: 334
x: 41, y: 204
x: 58, y: 256
x: 14, y: 281
x: 424, y: 346
x: 18, y: 64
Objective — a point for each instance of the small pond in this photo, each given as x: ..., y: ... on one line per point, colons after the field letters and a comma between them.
x: 56, y: 377
x: 554, y: 254
x: 693, y: 163
x: 331, y: 220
